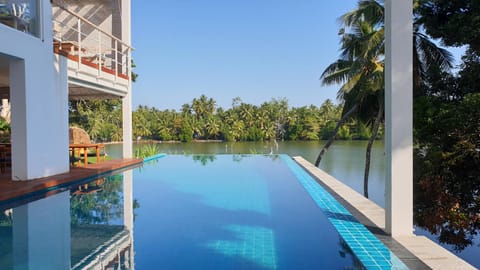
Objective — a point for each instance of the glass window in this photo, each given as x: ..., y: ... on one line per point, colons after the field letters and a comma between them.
x: 22, y: 15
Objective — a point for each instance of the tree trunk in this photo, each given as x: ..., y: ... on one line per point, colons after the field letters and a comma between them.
x: 330, y: 141
x: 376, y: 125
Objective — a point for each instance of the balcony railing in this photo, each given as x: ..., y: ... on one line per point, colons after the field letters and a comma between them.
x: 87, y: 44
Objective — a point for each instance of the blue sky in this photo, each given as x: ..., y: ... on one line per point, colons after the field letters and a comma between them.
x: 253, y: 49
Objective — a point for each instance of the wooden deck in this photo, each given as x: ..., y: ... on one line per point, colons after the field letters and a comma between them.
x: 13, y: 190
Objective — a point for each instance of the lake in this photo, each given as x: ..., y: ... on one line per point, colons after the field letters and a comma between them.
x: 345, y: 161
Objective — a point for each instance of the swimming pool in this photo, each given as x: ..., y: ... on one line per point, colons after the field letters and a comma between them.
x: 194, y: 212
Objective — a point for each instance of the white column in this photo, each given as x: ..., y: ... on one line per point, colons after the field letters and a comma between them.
x: 127, y: 100
x: 398, y: 117
x: 128, y: 200
x: 128, y: 212
x: 39, y: 102
x: 41, y: 234
x: 127, y: 125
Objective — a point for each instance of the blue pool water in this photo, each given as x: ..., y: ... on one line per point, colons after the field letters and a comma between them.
x: 245, y: 212
x: 191, y: 212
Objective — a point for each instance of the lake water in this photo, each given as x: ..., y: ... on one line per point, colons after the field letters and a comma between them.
x: 345, y: 161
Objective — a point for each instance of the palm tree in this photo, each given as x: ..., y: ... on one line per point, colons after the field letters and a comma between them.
x: 360, y: 69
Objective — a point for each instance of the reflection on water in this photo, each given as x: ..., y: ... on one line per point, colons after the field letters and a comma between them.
x: 83, y: 227
x: 345, y: 161
x: 230, y: 212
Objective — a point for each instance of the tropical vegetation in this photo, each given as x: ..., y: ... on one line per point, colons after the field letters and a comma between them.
x: 446, y: 107
x: 203, y: 120
x: 447, y: 127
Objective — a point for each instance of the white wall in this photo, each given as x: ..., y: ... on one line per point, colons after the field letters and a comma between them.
x: 39, y: 99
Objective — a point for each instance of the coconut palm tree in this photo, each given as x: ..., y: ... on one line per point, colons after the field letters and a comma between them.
x: 360, y: 68
x: 360, y: 71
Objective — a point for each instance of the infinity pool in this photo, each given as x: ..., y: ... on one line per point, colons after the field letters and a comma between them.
x: 244, y: 212
x: 192, y: 212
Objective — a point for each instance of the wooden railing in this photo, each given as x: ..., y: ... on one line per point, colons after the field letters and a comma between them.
x: 84, y: 42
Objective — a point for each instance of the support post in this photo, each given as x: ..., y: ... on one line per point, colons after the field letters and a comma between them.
x: 399, y: 117
x: 127, y: 100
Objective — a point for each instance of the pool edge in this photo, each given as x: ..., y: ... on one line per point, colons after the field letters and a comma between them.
x: 372, y: 216
x: 43, y: 187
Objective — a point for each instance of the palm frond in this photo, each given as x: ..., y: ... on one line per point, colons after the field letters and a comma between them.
x: 432, y: 55
x: 368, y: 10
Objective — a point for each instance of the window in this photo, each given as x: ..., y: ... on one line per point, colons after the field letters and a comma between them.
x: 22, y: 15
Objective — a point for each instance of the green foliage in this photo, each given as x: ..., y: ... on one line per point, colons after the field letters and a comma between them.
x: 101, y: 119
x: 447, y: 163
x: 102, y: 206
x: 457, y: 22
x: 344, y: 133
x: 147, y: 150
x: 243, y: 122
x: 132, y: 73
x: 4, y: 125
x: 202, y: 120
x: 186, y: 133
x: 364, y: 132
x: 446, y: 128
x: 328, y: 130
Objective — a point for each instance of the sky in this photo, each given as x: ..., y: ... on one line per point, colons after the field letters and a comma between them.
x: 253, y: 49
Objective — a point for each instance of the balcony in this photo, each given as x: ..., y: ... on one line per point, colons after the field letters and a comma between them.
x: 98, y: 63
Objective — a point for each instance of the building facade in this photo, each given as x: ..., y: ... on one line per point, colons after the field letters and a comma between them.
x: 52, y: 52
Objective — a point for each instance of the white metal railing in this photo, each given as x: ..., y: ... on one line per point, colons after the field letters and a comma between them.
x: 84, y: 42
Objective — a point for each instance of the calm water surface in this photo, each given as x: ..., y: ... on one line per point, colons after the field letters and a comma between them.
x: 345, y: 160
x: 230, y: 212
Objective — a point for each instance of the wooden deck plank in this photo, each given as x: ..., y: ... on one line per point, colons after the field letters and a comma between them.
x: 10, y: 190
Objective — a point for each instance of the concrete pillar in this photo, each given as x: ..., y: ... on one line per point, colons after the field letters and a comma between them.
x: 127, y: 125
x: 128, y: 212
x: 398, y: 117
x: 128, y: 199
x: 41, y: 234
x: 39, y: 104
x: 127, y: 100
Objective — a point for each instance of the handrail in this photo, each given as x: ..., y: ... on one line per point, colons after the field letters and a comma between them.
x: 91, y: 24
x: 85, y: 43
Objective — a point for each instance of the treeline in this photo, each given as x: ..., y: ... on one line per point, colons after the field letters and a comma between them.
x: 272, y: 120
x: 203, y: 120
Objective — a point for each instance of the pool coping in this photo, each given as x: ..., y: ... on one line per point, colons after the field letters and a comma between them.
x: 410, y: 249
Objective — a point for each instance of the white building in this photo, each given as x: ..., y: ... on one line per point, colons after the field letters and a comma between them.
x: 53, y: 51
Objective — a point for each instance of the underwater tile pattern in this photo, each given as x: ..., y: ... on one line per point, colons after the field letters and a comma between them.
x: 255, y: 244
x: 369, y: 250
